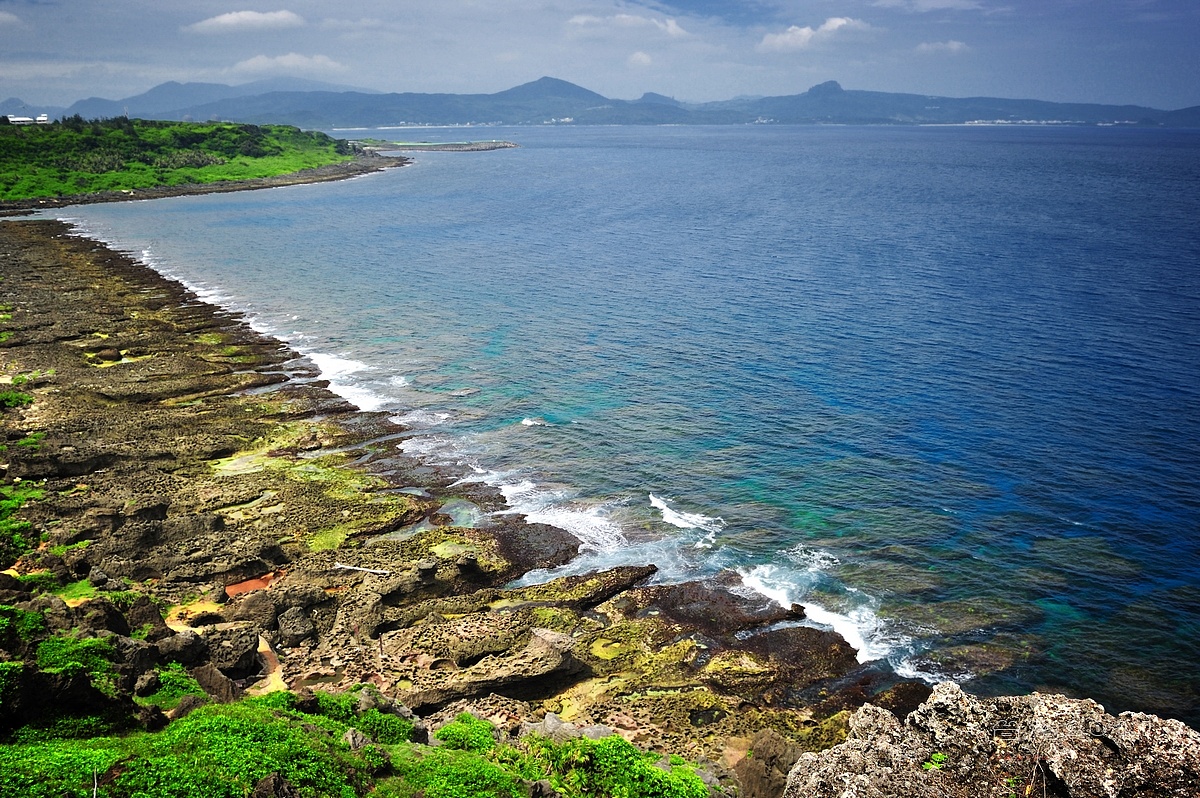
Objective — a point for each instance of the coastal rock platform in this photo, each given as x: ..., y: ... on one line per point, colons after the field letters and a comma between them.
x: 207, y: 501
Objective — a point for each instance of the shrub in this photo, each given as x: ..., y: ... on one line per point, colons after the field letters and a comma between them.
x: 384, y: 729
x: 22, y: 623
x: 614, y: 768
x: 10, y: 398
x: 442, y: 773
x: 467, y: 733
x: 222, y: 751
x: 174, y: 683
x: 71, y: 655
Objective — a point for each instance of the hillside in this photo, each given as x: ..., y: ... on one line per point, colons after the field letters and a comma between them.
x: 553, y: 101
x: 76, y: 157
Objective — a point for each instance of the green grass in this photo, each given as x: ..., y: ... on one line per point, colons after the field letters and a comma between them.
x: 76, y: 156
x: 16, y: 536
x: 222, y: 751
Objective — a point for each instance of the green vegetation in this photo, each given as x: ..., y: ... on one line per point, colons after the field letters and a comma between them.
x: 173, y: 684
x: 467, y: 733
x: 76, y: 156
x: 21, y: 623
x: 224, y: 750
x: 16, y: 536
x: 14, y: 398
x: 935, y: 762
x: 70, y: 655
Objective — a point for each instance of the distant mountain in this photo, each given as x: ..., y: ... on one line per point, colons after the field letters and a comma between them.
x: 14, y: 106
x: 658, y: 99
x: 553, y: 101
x: 166, y: 98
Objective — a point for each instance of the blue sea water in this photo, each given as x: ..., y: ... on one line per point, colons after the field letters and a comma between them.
x: 940, y: 385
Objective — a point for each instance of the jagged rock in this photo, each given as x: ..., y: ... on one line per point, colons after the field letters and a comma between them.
x: 185, y: 706
x: 101, y: 615
x: 294, y: 627
x: 558, y: 730
x: 258, y: 608
x: 97, y: 578
x: 54, y: 611
x: 274, y: 786
x: 533, y: 669
x: 956, y: 744
x: 185, y: 647
x: 763, y: 773
x: 152, y: 719
x: 146, y: 684
x: 356, y: 739
x: 145, y: 616
x: 234, y: 651
x: 216, y: 684
x: 543, y: 789
x: 712, y: 607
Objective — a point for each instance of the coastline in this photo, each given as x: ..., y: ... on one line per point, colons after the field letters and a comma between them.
x: 190, y: 458
x: 187, y: 457
x: 360, y: 165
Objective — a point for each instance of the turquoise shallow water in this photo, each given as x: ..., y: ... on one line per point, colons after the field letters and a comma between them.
x: 941, y: 385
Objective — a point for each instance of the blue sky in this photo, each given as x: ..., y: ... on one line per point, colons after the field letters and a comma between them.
x: 1144, y: 52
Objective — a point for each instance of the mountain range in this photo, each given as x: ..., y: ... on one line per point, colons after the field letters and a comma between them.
x: 310, y: 104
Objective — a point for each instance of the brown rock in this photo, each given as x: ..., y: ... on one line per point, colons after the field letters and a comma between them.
x: 956, y: 744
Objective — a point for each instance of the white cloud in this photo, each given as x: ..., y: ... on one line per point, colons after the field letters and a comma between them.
x: 237, y: 21
x: 292, y: 62
x: 640, y: 59
x: 922, y: 6
x: 798, y: 38
x: 668, y: 26
x: 9, y: 19
x: 953, y: 47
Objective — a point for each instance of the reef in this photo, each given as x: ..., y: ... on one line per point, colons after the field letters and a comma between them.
x: 201, y: 501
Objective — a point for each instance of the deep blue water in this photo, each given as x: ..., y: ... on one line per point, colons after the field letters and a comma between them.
x: 941, y: 385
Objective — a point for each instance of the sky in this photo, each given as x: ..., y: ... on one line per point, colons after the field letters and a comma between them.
x: 1143, y: 52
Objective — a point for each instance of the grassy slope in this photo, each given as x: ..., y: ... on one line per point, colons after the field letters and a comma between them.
x: 79, y: 157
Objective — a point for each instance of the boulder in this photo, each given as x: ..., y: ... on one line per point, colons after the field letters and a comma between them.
x: 959, y: 744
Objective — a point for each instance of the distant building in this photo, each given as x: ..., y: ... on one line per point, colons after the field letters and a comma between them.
x: 42, y: 119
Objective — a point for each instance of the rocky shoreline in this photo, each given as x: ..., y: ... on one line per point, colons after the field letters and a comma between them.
x: 188, y: 459
x: 207, y: 501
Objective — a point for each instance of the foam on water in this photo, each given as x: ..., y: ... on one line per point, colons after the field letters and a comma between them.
x: 859, y: 626
x: 591, y: 524
x: 337, y: 370
x: 683, y: 520
x: 420, y: 418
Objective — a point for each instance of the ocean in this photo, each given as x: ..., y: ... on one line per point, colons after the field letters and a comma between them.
x: 939, y: 385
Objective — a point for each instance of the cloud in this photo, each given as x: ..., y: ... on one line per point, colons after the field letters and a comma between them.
x: 292, y: 62
x: 668, y: 26
x: 238, y: 21
x: 640, y: 59
x: 798, y: 38
x: 953, y: 47
x: 922, y: 6
x: 9, y: 19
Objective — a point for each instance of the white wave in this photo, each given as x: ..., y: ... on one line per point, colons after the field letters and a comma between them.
x: 420, y: 418
x: 336, y: 369
x: 859, y: 626
x: 813, y: 560
x: 686, y: 520
x: 535, y: 422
